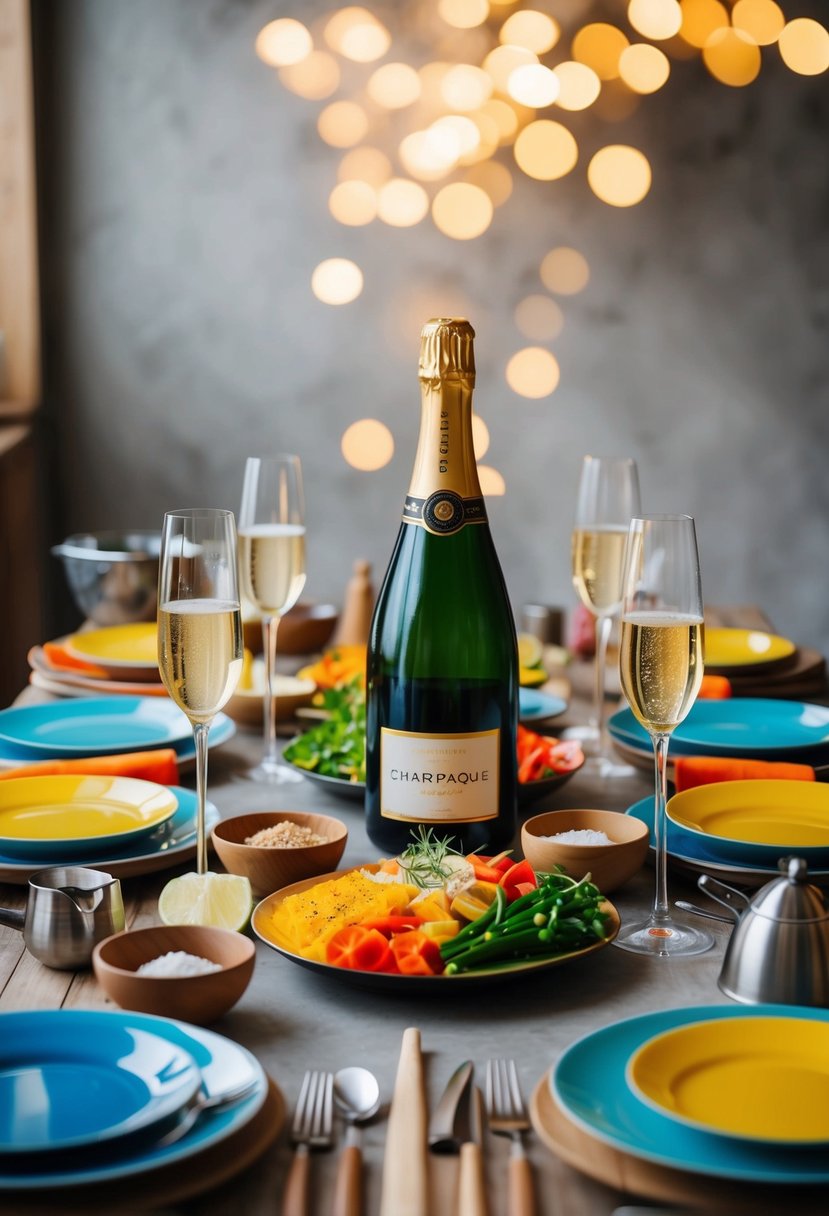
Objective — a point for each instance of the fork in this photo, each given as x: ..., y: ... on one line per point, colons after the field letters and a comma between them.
x: 508, y: 1117
x: 312, y: 1128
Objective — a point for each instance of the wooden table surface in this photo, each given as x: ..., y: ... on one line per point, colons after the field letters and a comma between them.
x: 292, y: 1019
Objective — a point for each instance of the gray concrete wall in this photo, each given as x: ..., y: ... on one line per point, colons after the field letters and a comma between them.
x: 186, y: 208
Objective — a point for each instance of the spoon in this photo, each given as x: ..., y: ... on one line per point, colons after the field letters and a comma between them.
x: 357, y: 1095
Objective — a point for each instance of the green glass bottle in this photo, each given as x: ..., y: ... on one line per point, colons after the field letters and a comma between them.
x: 442, y: 675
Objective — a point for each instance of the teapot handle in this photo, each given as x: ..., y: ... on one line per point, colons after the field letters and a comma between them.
x: 736, y: 901
x: 12, y: 919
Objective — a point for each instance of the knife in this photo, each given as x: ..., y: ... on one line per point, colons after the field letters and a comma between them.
x: 444, y: 1133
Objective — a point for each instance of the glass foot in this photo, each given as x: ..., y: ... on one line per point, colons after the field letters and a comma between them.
x: 607, y: 767
x: 664, y: 939
x: 268, y: 773
x: 587, y: 735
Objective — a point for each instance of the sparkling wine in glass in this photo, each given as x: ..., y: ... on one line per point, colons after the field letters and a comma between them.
x: 661, y: 665
x: 272, y: 566
x: 199, y: 628
x: 608, y: 498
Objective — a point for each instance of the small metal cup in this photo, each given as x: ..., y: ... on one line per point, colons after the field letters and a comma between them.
x: 544, y: 622
x: 69, y: 910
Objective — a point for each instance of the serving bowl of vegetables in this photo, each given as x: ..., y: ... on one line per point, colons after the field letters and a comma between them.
x: 433, y: 916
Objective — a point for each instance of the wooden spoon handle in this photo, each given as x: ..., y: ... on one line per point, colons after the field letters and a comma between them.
x: 295, y: 1195
x: 405, y: 1173
x: 472, y: 1200
x: 348, y: 1194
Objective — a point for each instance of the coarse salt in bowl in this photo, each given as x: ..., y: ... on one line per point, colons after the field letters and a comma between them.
x: 607, y: 845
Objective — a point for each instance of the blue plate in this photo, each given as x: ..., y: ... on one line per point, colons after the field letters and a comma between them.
x: 744, y: 727
x: 534, y: 706
x: 168, y: 844
x: 589, y: 1083
x: 223, y: 1065
x: 64, y: 1085
x: 94, y: 726
x: 222, y: 729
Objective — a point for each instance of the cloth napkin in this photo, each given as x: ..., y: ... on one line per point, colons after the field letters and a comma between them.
x: 160, y: 766
x: 59, y: 657
x: 700, y: 770
x: 714, y: 688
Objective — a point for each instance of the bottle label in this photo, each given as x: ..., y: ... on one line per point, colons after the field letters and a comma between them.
x: 426, y: 778
x: 444, y: 512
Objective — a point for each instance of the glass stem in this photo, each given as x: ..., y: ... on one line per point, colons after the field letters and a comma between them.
x: 603, y: 626
x: 270, y: 625
x: 200, y: 732
x: 661, y: 911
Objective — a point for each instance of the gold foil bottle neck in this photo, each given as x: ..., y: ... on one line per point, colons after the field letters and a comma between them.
x: 446, y: 350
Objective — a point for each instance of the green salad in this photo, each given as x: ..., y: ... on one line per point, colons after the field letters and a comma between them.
x: 336, y: 747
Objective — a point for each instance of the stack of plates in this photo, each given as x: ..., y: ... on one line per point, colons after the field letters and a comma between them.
x: 760, y: 664
x: 668, y: 1103
x: 132, y: 827
x: 750, y: 729
x: 87, y: 1098
x: 118, y: 660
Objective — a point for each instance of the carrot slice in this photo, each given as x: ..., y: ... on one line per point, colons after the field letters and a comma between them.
x: 690, y: 771
x: 160, y: 766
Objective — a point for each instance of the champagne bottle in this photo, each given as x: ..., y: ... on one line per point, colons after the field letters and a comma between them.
x: 442, y: 677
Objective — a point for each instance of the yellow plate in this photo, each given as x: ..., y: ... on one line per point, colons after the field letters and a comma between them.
x: 778, y: 814
x: 758, y: 1078
x: 739, y: 648
x: 66, y: 815
x: 118, y: 646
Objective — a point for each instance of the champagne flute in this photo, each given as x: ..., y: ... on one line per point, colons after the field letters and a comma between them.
x: 608, y: 498
x: 661, y: 664
x: 272, y: 564
x: 199, y: 628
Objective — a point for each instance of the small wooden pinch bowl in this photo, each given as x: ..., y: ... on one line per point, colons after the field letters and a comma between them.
x: 610, y: 865
x: 271, y: 867
x: 201, y: 999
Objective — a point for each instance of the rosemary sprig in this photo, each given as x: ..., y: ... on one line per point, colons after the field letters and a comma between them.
x: 424, y: 858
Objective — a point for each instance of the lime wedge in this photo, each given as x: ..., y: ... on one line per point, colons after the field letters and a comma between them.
x: 530, y: 651
x: 222, y: 901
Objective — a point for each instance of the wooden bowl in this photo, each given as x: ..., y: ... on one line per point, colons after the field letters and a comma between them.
x: 270, y: 868
x: 610, y: 865
x: 193, y: 998
x: 304, y: 629
x: 246, y: 705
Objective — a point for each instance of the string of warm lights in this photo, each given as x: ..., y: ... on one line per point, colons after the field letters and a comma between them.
x: 499, y: 78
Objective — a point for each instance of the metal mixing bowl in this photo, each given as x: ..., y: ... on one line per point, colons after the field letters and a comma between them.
x: 113, y: 576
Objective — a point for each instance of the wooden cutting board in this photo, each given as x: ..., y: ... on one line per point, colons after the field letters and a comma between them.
x: 167, y: 1184
x: 631, y: 1175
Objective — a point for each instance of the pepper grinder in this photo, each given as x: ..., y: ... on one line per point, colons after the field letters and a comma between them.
x: 358, y: 606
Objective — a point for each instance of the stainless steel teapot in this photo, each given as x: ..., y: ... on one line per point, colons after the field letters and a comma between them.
x: 779, y: 949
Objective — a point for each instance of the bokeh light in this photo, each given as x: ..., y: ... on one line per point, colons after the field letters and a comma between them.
x: 394, y: 86
x: 533, y: 372
x: 619, y: 175
x: 492, y: 482
x: 599, y: 45
x: 464, y: 14
x: 494, y: 178
x: 356, y: 34
x: 732, y: 57
x: 656, y: 19
x: 283, y: 42
x: 504, y: 117
x: 342, y: 124
x: 644, y: 68
x: 762, y: 20
x: 337, y: 281
x: 366, y: 164
x: 546, y: 150
x: 701, y: 19
x: 565, y: 271
x: 353, y: 203
x: 533, y: 85
x: 465, y: 87
x: 502, y: 62
x: 462, y: 211
x: 367, y: 445
x: 315, y: 77
x: 804, y: 46
x: 401, y: 203
x: 539, y: 318
x: 578, y: 85
x: 535, y: 31
x: 480, y: 436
